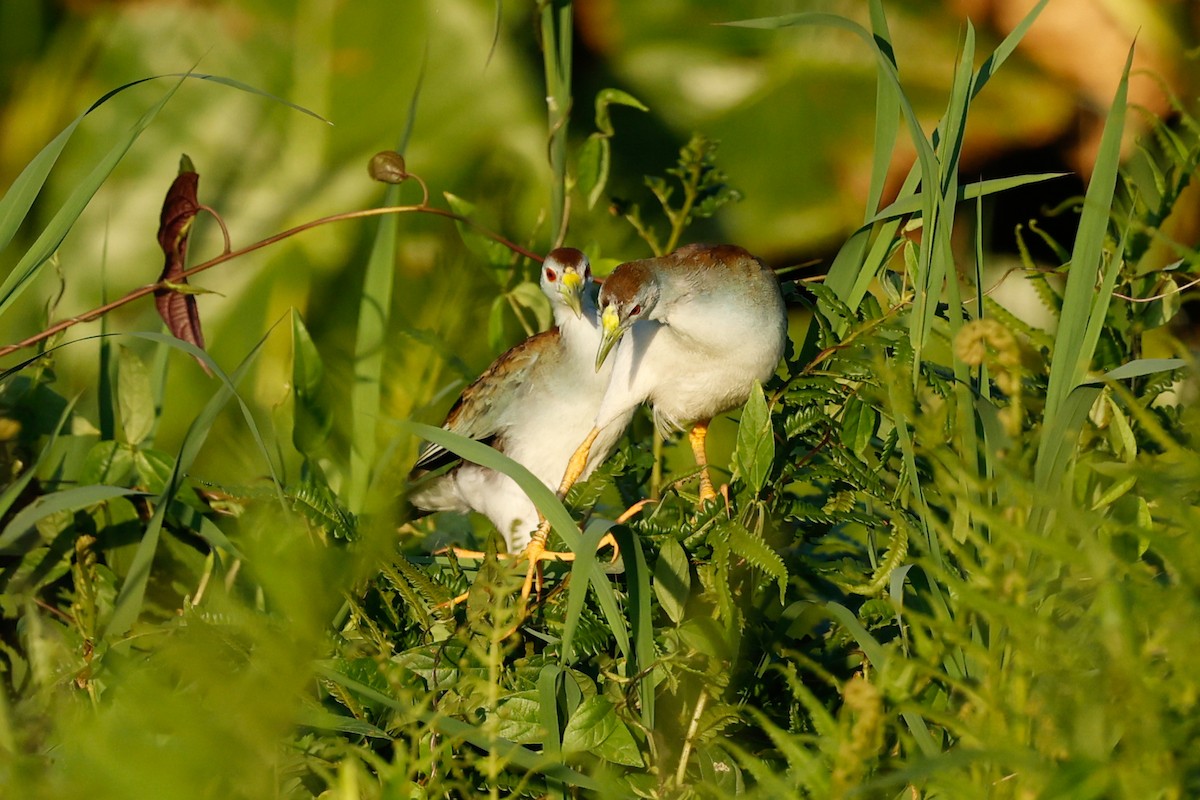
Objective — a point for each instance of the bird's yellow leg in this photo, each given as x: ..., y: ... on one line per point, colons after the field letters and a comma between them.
x: 698, y: 435
x: 536, y: 549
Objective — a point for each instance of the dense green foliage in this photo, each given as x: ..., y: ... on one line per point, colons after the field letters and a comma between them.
x: 956, y: 558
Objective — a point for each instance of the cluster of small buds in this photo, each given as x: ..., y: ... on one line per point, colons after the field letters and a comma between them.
x: 988, y: 342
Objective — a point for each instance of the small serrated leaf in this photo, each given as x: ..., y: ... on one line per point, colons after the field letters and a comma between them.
x: 758, y: 554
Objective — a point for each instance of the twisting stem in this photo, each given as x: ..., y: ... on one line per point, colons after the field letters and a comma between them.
x: 229, y: 255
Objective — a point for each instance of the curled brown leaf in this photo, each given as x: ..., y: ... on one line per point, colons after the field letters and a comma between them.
x: 178, y: 309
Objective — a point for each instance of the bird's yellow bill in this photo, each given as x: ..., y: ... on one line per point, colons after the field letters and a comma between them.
x: 611, y: 331
x: 570, y: 289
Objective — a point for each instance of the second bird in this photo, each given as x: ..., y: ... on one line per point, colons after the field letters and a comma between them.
x: 531, y: 404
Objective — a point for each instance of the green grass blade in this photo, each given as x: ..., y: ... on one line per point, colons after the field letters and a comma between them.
x: 374, y: 311
x: 1006, y: 47
x: 1074, y: 344
x: 67, y: 500
x: 547, y: 503
x: 887, y: 113
x: 370, y: 346
x: 128, y: 603
x: 585, y: 559
x: 637, y: 581
x: 60, y: 225
x: 478, y: 453
x: 911, y: 204
x: 17, y: 201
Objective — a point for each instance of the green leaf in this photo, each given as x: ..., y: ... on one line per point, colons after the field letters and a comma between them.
x: 494, y: 253
x: 859, y: 424
x: 672, y: 579
x: 313, y: 415
x: 611, y: 97
x: 755, y: 441
x: 495, y: 327
x: 1084, y: 308
x: 595, y: 729
x: 520, y: 756
x: 108, y: 462
x: 135, y: 397
x: 324, y: 720
x: 519, y: 715
x: 758, y: 554
x: 528, y: 294
x: 592, y: 167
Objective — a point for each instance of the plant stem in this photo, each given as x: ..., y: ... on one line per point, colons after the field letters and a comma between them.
x: 142, y: 291
x: 681, y: 770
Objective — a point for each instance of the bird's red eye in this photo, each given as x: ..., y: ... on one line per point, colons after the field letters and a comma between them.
x: 635, y: 311
x: 551, y: 275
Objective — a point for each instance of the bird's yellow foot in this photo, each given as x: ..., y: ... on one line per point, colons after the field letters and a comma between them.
x: 697, y: 437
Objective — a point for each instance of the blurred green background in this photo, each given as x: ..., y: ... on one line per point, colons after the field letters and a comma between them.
x: 792, y: 110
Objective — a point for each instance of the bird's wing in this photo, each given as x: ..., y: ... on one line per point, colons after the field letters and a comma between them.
x: 481, y: 411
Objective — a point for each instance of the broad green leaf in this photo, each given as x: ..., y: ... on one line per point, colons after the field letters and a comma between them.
x: 705, y: 635
x: 108, y: 462
x: 519, y: 715
x: 672, y: 579
x: 594, y: 728
x: 135, y: 397
x: 755, y: 441
x: 859, y: 424
x: 592, y: 167
x: 313, y: 415
x: 494, y: 253
x: 1114, y: 492
x: 528, y: 294
x: 154, y: 469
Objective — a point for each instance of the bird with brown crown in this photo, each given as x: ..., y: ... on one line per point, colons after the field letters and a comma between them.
x: 693, y: 330
x: 529, y: 404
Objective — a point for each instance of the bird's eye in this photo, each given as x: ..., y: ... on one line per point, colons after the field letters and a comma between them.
x: 635, y: 311
x: 551, y: 275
